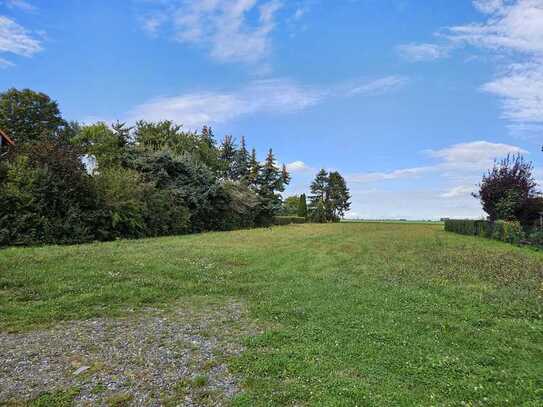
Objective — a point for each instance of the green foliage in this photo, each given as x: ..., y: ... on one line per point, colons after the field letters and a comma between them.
x: 319, y: 213
x: 122, y: 193
x: 287, y: 220
x: 67, y: 183
x: 290, y: 206
x: 536, y: 237
x: 330, y: 197
x: 505, y: 192
x: 302, y: 207
x: 29, y: 116
x: 100, y: 143
x: 242, y: 207
x: 506, y: 231
x: 47, y: 197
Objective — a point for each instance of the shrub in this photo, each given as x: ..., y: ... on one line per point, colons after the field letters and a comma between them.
x: 536, y: 238
x: 287, y: 220
x: 512, y: 232
x: 506, y: 231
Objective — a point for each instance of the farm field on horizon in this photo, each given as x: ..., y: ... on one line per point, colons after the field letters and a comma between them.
x: 316, y: 314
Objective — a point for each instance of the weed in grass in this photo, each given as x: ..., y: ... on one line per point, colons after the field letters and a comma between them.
x: 60, y: 398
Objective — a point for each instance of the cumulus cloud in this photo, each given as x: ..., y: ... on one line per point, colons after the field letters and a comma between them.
x: 15, y: 39
x: 422, y: 52
x: 260, y: 96
x: 298, y: 166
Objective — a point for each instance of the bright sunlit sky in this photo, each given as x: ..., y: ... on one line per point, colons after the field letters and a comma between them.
x: 411, y: 100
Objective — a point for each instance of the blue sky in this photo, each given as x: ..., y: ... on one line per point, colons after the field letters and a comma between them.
x: 410, y: 100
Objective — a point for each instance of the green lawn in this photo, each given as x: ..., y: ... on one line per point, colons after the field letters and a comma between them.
x: 356, y: 313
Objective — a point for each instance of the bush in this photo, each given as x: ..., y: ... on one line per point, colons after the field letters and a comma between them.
x: 468, y: 227
x: 287, y: 220
x: 512, y: 232
x: 505, y: 231
x: 536, y: 238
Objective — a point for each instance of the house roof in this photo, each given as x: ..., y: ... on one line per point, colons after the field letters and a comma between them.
x: 6, y: 138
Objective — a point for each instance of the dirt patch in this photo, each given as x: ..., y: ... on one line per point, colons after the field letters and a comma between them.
x: 149, y: 357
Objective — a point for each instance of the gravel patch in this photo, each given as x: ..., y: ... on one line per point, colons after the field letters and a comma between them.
x: 148, y: 357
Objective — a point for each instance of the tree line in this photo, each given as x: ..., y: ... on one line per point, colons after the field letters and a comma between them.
x: 63, y: 182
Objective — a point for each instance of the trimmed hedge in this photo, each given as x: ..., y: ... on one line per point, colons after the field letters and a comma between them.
x: 287, y: 220
x: 506, y: 231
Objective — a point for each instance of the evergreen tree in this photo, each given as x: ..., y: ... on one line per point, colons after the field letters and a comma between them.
x: 208, y: 137
x: 241, y: 162
x: 285, y: 175
x: 227, y: 156
x: 338, y: 197
x: 319, y: 189
x: 270, y: 185
x: 302, y: 206
x: 254, y: 171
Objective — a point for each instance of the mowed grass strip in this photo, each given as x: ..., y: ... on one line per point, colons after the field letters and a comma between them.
x: 361, y: 313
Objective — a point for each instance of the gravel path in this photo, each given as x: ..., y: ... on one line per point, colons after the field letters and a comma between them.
x: 146, y: 358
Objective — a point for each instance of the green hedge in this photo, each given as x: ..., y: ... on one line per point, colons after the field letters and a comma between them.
x: 505, y: 231
x: 287, y: 220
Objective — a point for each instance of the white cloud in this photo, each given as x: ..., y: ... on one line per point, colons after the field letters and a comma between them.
x: 514, y: 29
x: 422, y: 52
x: 377, y: 86
x: 298, y: 166
x: 21, y: 5
x: 461, y: 190
x: 231, y: 30
x: 517, y: 25
x: 16, y: 40
x: 392, y: 175
x: 196, y: 109
x: 522, y: 92
x: 474, y: 155
x: 261, y: 96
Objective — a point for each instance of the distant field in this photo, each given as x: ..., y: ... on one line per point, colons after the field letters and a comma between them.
x: 351, y: 313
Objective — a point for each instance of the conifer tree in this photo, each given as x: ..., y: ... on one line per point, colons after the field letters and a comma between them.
x: 254, y: 171
x: 319, y: 189
x: 227, y: 156
x: 208, y: 137
x: 302, y: 206
x: 241, y: 162
x: 338, y: 197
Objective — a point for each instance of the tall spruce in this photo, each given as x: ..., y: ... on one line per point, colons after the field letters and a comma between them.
x: 241, y: 162
x: 338, y: 197
x: 319, y: 189
x: 302, y: 206
x: 254, y: 171
x: 271, y: 183
x: 227, y: 156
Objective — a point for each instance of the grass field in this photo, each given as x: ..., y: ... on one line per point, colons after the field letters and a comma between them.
x: 353, y: 313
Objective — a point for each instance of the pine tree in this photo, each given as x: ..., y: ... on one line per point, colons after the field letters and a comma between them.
x: 270, y: 184
x: 241, y: 162
x: 319, y: 189
x: 227, y: 156
x: 285, y: 175
x: 338, y: 197
x: 208, y: 137
x: 254, y: 171
x: 302, y: 206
